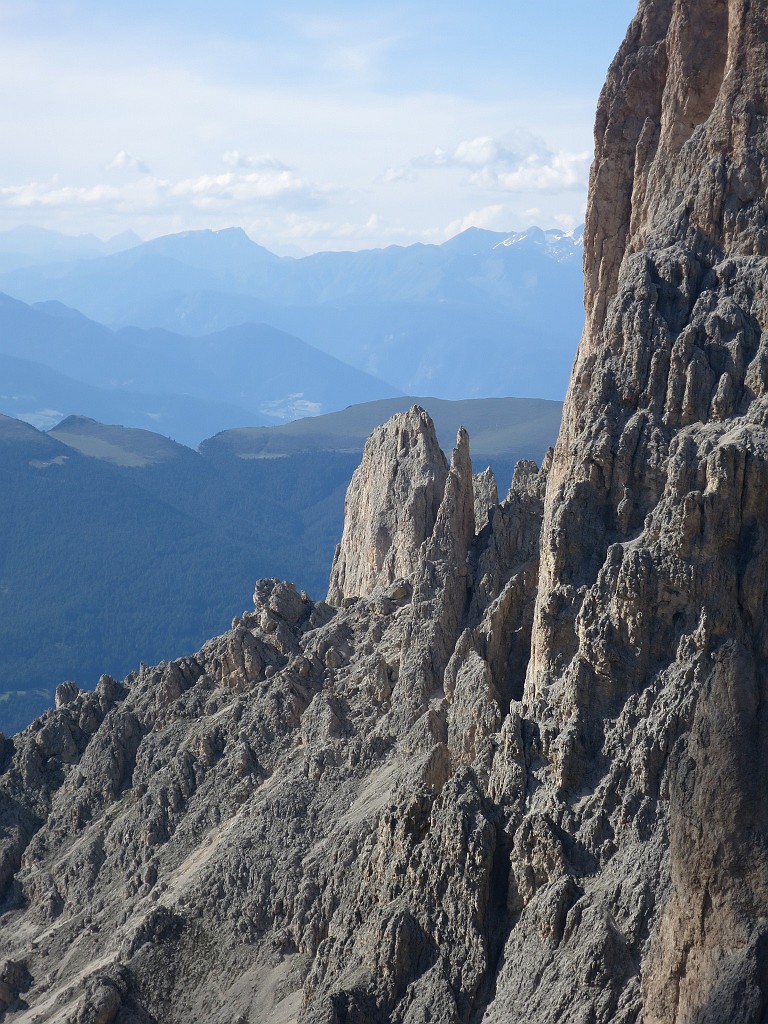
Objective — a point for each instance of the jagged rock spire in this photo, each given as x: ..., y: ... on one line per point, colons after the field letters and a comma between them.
x: 391, y: 506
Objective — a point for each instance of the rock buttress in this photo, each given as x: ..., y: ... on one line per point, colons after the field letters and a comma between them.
x: 654, y: 565
x: 391, y: 506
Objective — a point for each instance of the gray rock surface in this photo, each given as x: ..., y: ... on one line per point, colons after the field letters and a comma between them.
x: 391, y: 506
x: 486, y: 495
x: 514, y: 769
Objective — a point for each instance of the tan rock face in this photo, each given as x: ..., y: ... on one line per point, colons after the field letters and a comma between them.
x: 654, y: 565
x: 512, y: 772
x: 391, y: 506
x: 486, y: 497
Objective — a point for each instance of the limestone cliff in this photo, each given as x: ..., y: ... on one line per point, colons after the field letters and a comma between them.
x: 651, y: 599
x: 515, y: 769
x: 391, y: 506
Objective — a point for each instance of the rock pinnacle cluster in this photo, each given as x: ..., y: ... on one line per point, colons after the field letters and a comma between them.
x: 514, y: 768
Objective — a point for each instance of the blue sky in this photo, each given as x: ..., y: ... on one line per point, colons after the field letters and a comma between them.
x: 341, y: 126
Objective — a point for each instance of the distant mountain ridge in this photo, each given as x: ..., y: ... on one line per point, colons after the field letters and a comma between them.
x: 27, y: 245
x: 424, y: 318
x: 55, y: 362
x: 560, y: 244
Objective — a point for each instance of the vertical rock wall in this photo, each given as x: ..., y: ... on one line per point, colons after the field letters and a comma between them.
x: 654, y: 562
x: 511, y: 773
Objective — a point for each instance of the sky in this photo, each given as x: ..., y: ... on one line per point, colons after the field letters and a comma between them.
x: 333, y: 126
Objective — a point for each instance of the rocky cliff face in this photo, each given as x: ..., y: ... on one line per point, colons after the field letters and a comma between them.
x: 515, y: 768
x: 656, y: 611
x: 391, y: 506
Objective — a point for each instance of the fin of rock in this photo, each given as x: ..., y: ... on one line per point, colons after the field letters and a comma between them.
x: 441, y: 583
x: 486, y: 495
x: 391, y: 506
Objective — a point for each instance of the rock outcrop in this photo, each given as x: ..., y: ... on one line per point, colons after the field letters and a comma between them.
x: 283, y: 825
x: 391, y: 507
x: 514, y: 769
x: 654, y: 563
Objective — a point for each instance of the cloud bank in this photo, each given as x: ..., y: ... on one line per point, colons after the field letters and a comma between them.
x: 526, y: 166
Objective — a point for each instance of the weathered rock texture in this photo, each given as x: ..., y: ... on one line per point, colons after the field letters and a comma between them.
x: 648, y: 669
x: 289, y: 825
x: 391, y: 506
x: 515, y: 769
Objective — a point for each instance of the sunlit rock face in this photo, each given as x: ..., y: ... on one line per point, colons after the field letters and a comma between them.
x: 651, y: 597
x: 514, y: 768
x: 391, y: 507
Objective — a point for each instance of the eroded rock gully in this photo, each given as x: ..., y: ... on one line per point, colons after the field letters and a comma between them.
x: 515, y: 768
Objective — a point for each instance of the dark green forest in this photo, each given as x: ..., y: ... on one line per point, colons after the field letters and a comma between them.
x: 102, y: 567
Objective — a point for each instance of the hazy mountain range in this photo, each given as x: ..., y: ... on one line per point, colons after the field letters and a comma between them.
x: 435, y: 319
x: 119, y: 542
x: 32, y: 246
x: 184, y: 387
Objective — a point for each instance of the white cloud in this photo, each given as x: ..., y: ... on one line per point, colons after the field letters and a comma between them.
x: 471, y: 153
x: 374, y: 232
x: 244, y: 187
x: 437, y: 158
x: 396, y: 175
x: 152, y: 193
x: 482, y: 151
x: 491, y: 217
x: 242, y: 161
x: 124, y: 161
x: 51, y: 194
x: 560, y: 172
x: 525, y: 165
x: 566, y: 221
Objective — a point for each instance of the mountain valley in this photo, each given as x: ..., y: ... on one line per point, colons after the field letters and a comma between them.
x: 121, y: 546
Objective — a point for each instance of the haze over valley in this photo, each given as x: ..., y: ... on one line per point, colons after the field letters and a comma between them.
x: 194, y: 333
x: 128, y: 356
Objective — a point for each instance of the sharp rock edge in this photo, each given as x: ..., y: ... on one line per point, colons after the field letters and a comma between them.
x: 515, y: 768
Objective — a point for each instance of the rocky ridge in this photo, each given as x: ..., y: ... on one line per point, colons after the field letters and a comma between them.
x: 238, y: 828
x: 514, y: 768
